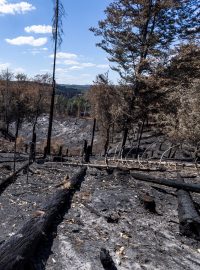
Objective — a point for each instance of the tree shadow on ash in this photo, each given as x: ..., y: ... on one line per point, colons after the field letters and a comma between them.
x: 43, y: 249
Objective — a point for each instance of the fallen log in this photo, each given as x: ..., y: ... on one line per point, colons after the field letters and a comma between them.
x: 189, y: 219
x: 107, y: 167
x: 106, y: 260
x: 176, y: 163
x: 166, y: 182
x: 5, y: 182
x: 18, y: 251
x: 12, y: 161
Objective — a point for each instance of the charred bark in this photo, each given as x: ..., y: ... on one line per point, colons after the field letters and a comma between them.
x: 107, y: 141
x: 33, y: 147
x: 166, y: 182
x: 139, y: 139
x: 125, y: 136
x: 106, y: 260
x: 93, y: 133
x: 188, y: 216
x: 18, y: 251
x: 15, y: 145
x: 4, y: 183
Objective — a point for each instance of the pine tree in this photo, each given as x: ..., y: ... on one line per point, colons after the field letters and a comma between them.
x: 137, y: 34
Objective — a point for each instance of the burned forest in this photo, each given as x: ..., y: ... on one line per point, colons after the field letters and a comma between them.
x: 100, y: 163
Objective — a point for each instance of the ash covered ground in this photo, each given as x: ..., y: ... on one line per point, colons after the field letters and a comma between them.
x: 105, y: 213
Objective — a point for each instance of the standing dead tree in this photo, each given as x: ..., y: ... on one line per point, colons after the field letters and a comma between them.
x: 57, y: 32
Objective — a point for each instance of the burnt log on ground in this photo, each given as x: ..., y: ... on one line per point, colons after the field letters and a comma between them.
x: 18, y: 252
x: 11, y: 178
x: 106, y: 260
x: 189, y: 219
x: 109, y: 167
x: 12, y: 161
x: 166, y: 182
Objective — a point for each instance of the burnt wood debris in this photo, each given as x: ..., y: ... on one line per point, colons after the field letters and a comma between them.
x: 21, y: 250
x: 189, y: 219
x: 104, y: 175
x: 16, y: 253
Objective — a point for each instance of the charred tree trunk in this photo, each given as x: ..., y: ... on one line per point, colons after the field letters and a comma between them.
x: 106, y: 260
x: 15, y: 145
x: 125, y: 135
x: 166, y: 182
x: 107, y: 141
x: 33, y: 147
x: 93, y: 133
x: 87, y: 154
x: 5, y: 182
x: 188, y: 216
x: 48, y: 149
x: 139, y: 139
x: 18, y: 251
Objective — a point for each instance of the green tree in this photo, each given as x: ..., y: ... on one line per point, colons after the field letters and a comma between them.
x: 137, y: 34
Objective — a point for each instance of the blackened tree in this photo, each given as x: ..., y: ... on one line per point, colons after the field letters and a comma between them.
x: 57, y: 32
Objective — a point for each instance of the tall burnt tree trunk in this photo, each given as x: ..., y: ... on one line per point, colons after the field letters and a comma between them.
x: 107, y: 141
x: 125, y: 135
x: 15, y: 145
x: 33, y: 142
x: 48, y: 147
x: 33, y: 147
x: 139, y: 139
x: 93, y: 133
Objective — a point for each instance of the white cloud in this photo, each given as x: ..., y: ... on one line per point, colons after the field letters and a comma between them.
x: 70, y: 62
x: 15, y: 8
x: 36, y: 42
x: 75, y: 67
x: 86, y: 75
x: 63, y: 55
x: 4, y: 66
x: 78, y: 66
x: 73, y: 60
x: 19, y: 70
x: 61, y: 70
x: 66, y: 78
x: 104, y: 66
x: 39, y: 29
x: 87, y: 65
x: 45, y: 70
x: 35, y: 51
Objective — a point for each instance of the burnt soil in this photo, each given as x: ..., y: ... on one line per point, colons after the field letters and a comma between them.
x: 105, y: 213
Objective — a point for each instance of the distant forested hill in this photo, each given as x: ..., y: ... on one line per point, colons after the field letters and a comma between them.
x: 71, y: 90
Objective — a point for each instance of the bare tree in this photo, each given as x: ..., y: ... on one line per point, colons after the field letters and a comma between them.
x: 57, y: 37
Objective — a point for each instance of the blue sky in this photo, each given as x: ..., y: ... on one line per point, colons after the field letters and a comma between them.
x: 26, y: 44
